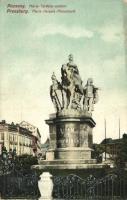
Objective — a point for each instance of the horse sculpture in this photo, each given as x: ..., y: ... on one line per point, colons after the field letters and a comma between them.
x: 68, y: 93
x: 72, y: 84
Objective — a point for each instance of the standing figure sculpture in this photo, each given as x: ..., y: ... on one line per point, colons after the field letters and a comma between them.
x: 72, y: 84
x: 90, y: 96
x: 69, y: 93
x: 56, y: 93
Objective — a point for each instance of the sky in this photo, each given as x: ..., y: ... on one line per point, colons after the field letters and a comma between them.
x: 35, y: 45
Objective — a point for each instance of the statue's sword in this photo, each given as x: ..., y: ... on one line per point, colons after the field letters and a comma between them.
x: 58, y: 99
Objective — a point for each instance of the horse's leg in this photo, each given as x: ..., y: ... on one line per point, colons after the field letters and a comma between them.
x: 71, y: 97
x: 68, y: 94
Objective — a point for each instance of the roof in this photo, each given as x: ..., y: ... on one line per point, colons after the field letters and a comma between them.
x: 111, y: 141
x: 25, y: 123
x: 16, y: 128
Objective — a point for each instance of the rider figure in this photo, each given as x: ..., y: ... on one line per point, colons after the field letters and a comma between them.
x: 72, y: 68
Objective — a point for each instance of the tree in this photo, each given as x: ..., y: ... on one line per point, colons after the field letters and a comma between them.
x: 24, y: 162
x: 97, y: 152
x: 121, y: 158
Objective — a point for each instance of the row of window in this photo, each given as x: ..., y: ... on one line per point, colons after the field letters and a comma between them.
x: 21, y: 149
x: 14, y: 138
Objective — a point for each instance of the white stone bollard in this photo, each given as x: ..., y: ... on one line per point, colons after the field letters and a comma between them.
x: 45, y: 185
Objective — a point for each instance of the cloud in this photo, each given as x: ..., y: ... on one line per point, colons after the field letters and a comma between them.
x: 73, y: 32
x: 115, y: 65
x: 111, y: 33
x: 114, y: 71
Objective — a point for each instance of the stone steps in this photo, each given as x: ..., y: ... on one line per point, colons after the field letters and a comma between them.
x: 56, y: 166
x: 66, y: 161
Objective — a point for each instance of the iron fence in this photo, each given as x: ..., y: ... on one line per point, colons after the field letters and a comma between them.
x: 19, y: 185
x: 72, y: 186
x: 25, y: 185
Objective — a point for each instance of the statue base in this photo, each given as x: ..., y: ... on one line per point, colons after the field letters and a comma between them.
x: 70, y: 148
x: 73, y: 153
x: 45, y: 165
x: 70, y: 141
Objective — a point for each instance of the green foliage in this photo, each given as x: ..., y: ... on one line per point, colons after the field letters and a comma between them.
x: 121, y: 158
x: 25, y: 162
x: 97, y: 152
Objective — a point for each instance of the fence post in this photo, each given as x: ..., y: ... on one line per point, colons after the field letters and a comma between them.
x: 45, y: 185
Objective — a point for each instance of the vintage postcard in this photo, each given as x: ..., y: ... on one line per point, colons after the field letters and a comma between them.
x: 63, y: 99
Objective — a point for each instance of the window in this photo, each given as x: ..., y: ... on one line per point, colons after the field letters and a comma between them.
x: 1, y: 136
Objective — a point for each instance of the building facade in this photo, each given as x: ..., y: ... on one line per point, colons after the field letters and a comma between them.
x: 35, y: 133
x: 111, y: 147
x: 12, y: 136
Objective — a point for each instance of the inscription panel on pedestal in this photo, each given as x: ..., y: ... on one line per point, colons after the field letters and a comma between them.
x: 68, y: 135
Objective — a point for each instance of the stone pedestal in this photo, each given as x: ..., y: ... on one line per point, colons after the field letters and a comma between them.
x: 70, y: 137
x: 76, y: 153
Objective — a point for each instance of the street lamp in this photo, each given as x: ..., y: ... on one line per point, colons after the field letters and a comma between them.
x: 4, y: 153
